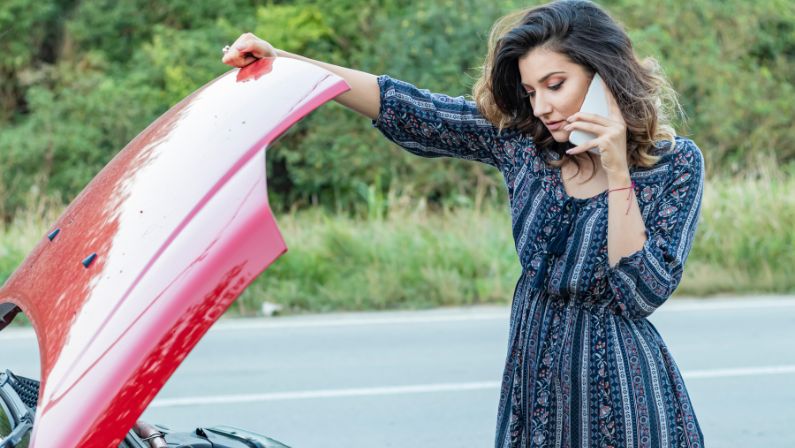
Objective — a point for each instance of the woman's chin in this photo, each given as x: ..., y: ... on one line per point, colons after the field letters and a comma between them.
x: 560, y: 136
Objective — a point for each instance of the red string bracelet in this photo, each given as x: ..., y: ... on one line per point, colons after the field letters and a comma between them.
x: 629, y: 194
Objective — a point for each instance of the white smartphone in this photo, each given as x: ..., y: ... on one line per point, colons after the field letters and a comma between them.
x: 595, y: 103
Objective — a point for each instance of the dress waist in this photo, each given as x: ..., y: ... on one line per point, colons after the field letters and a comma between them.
x: 596, y: 304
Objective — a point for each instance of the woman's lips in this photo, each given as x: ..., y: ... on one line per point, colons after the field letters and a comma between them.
x: 554, y: 126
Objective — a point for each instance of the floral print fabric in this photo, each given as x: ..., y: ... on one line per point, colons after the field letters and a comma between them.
x: 584, y: 367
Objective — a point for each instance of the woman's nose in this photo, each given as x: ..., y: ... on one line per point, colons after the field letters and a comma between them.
x: 540, y: 107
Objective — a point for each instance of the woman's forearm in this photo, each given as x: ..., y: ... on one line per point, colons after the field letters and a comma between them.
x: 626, y: 231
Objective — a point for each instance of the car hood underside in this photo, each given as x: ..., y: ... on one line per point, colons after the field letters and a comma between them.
x: 155, y: 249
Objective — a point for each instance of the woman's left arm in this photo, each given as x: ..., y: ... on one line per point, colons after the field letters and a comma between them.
x: 626, y: 231
x: 645, y: 259
x: 643, y: 279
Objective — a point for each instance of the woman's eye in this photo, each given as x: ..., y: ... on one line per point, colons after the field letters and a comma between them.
x: 555, y: 87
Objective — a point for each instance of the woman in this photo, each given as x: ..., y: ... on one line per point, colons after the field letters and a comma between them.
x: 602, y: 237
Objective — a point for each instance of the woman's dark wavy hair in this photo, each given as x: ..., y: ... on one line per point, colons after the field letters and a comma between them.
x: 588, y: 36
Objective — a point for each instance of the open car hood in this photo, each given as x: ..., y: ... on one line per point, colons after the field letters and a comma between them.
x: 155, y: 249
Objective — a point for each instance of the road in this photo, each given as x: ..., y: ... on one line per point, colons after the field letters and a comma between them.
x: 430, y: 378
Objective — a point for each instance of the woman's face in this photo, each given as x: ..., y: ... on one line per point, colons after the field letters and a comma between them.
x: 556, y: 88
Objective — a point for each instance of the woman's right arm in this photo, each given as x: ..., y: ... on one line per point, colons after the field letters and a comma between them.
x: 424, y: 123
x: 363, y: 97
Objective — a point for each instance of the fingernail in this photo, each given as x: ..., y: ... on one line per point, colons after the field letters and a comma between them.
x: 569, y: 151
x: 239, y: 47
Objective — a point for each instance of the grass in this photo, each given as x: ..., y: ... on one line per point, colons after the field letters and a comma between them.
x: 746, y: 239
x: 411, y: 260
x: 407, y: 257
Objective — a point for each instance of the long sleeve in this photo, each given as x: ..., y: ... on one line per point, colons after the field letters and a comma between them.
x: 644, y: 280
x: 436, y: 125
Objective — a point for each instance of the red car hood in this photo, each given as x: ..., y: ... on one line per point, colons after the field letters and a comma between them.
x: 180, y: 225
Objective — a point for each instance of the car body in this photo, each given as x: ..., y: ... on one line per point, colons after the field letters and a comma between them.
x: 154, y: 250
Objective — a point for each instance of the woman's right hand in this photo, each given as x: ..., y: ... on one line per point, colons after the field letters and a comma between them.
x: 247, y: 49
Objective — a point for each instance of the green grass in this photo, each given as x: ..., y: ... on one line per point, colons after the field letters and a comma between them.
x: 417, y: 259
x: 746, y: 239
x: 18, y: 237
x: 410, y: 260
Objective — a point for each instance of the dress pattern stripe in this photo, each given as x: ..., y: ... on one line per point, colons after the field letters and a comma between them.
x: 584, y: 366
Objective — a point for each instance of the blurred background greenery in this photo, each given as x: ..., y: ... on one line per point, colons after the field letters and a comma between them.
x: 79, y: 79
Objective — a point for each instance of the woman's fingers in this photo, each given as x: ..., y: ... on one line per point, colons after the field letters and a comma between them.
x: 596, y: 129
x: 584, y: 147
x: 247, y: 49
x: 251, y: 44
x: 237, y: 58
x: 585, y: 116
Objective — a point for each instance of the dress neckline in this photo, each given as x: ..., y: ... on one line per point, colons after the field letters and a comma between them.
x: 558, y: 175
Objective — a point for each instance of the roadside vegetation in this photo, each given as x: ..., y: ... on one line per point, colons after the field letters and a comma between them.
x: 370, y: 226
x: 404, y: 256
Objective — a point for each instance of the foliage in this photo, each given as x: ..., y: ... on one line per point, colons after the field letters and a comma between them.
x: 79, y: 79
x: 420, y: 259
x: 733, y: 63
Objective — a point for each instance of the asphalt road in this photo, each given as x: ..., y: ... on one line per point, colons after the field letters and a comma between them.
x: 430, y: 378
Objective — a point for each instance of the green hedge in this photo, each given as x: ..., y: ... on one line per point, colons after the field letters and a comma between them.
x: 79, y: 79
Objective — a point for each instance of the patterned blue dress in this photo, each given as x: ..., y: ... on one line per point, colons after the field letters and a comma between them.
x: 584, y: 366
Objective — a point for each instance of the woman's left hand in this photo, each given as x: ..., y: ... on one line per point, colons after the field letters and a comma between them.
x: 611, y: 132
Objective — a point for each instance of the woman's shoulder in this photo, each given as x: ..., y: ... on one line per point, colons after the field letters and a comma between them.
x: 681, y: 154
x: 678, y: 159
x: 683, y: 161
x: 682, y: 146
x: 687, y: 155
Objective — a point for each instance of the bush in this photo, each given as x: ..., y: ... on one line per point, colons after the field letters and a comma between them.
x: 85, y: 77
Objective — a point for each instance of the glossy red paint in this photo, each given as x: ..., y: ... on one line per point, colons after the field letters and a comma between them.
x: 180, y: 224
